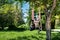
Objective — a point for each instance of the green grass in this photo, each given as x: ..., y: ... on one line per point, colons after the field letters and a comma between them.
x: 25, y: 35
x: 57, y: 26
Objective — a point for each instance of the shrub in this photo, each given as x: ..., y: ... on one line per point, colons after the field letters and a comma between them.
x: 24, y: 26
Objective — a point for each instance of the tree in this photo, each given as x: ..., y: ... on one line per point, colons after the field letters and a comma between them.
x: 48, y: 14
x: 49, y: 7
x: 3, y: 14
x: 10, y: 14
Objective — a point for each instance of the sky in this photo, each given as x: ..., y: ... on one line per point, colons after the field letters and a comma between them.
x: 25, y: 8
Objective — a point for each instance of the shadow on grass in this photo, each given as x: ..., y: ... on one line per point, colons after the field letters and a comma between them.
x: 17, y: 29
x: 56, y: 37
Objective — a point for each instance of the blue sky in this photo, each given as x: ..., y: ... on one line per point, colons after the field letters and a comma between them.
x: 25, y: 8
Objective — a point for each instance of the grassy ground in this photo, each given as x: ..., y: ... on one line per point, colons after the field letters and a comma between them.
x: 27, y: 35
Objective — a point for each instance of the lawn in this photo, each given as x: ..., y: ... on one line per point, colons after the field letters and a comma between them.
x: 27, y: 35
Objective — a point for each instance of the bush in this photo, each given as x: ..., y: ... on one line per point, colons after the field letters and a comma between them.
x: 24, y: 26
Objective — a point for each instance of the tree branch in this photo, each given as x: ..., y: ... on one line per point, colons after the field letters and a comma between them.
x: 53, y: 6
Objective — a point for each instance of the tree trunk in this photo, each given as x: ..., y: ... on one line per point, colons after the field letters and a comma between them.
x: 32, y: 13
x: 48, y: 19
x: 48, y: 27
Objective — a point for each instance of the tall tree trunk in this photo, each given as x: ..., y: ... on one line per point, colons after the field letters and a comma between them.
x: 32, y: 10
x: 48, y: 19
x: 48, y: 27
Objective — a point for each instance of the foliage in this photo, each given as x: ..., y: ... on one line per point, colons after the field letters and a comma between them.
x: 10, y: 14
x: 27, y: 35
x: 24, y: 26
